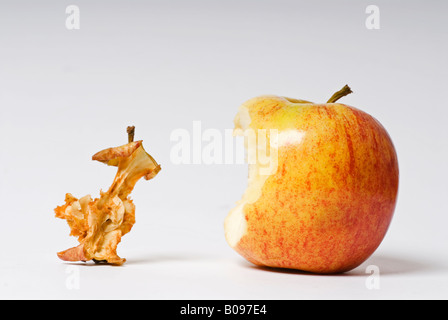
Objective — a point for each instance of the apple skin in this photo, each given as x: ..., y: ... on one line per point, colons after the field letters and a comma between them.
x: 330, y: 202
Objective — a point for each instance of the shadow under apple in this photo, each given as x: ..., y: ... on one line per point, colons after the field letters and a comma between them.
x: 386, y: 264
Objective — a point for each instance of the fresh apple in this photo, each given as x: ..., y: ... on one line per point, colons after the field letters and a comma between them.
x: 327, y: 205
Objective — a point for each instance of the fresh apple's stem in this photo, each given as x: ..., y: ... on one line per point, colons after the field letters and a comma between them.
x: 130, y: 130
x: 341, y: 93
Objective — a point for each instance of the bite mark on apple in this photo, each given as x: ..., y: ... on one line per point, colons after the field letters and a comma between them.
x: 235, y: 224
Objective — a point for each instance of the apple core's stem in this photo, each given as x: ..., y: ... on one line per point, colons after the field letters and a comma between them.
x: 130, y: 130
x: 341, y: 93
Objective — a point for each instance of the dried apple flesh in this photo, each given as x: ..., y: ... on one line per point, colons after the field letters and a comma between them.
x: 99, y: 224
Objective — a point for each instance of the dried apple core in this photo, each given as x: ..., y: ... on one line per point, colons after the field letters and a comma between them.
x: 99, y: 224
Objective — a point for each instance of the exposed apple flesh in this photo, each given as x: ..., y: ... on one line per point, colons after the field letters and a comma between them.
x: 99, y: 224
x: 329, y: 202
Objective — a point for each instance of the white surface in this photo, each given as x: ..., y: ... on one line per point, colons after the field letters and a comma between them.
x: 160, y: 65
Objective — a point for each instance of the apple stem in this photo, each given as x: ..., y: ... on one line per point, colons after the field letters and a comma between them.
x: 130, y: 130
x: 341, y: 93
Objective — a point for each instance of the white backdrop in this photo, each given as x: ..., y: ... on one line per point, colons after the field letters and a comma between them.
x: 160, y: 65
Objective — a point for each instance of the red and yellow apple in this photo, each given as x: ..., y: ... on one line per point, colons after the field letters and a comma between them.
x: 328, y: 203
